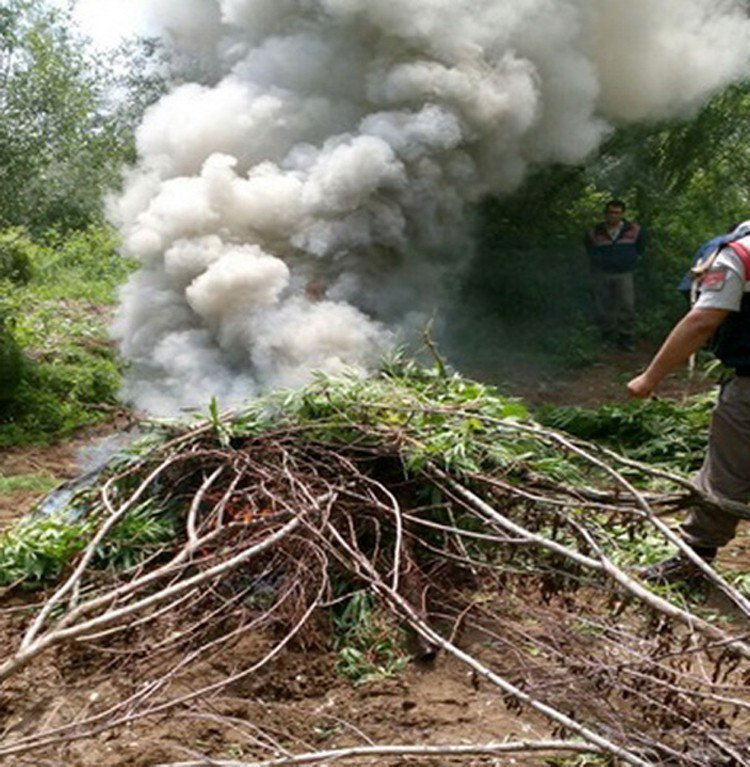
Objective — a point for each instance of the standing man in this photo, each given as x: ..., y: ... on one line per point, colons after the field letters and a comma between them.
x: 615, y: 246
x: 722, y: 312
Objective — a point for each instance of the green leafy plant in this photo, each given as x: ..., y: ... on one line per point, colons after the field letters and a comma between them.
x: 33, y: 483
x: 370, y: 645
x: 11, y: 359
x: 144, y: 530
x: 58, y: 370
x: 740, y: 579
x: 660, y: 432
x: 642, y: 548
x: 223, y: 433
x: 38, y: 550
x: 16, y: 256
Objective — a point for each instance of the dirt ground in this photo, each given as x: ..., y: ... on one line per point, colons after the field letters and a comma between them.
x: 604, y: 381
x: 300, y: 703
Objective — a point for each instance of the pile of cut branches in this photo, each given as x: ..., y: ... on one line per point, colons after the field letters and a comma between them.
x: 446, y: 503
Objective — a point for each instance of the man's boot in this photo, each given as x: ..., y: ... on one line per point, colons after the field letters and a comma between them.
x: 678, y: 568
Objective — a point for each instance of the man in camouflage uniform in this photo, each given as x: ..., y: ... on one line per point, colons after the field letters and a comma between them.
x: 722, y: 312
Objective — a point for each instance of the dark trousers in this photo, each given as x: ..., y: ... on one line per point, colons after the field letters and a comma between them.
x: 614, y: 297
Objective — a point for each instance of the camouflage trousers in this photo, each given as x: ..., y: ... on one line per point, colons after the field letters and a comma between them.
x: 725, y: 473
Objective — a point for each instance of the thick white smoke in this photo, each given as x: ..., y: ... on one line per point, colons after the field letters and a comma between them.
x: 329, y: 162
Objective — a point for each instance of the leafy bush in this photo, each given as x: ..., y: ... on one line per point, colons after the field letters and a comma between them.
x: 59, y: 371
x: 82, y: 265
x: 55, y: 399
x: 16, y: 254
x: 11, y: 359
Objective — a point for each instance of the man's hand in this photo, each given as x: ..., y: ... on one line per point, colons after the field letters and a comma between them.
x: 641, y: 387
x: 690, y: 333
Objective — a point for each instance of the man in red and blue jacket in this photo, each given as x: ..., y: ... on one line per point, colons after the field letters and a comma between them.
x: 721, y: 313
x: 615, y: 246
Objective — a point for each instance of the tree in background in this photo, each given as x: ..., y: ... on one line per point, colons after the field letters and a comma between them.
x: 66, y: 117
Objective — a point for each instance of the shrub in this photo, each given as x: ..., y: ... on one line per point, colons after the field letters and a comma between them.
x: 56, y: 365
x: 16, y: 254
x: 11, y: 359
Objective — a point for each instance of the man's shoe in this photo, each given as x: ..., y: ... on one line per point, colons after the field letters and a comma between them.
x: 677, y: 569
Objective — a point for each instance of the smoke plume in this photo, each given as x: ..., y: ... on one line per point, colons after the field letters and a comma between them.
x: 311, y: 191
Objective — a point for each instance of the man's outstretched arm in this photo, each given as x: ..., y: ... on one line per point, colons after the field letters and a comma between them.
x: 687, y: 336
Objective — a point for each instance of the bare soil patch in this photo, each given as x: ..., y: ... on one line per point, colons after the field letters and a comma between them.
x: 300, y: 705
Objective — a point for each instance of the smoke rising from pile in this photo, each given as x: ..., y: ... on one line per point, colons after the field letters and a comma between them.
x: 314, y: 189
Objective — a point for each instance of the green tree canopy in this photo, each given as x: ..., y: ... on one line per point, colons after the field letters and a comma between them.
x: 66, y: 117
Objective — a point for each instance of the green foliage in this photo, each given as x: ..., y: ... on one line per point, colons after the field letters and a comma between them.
x: 11, y: 361
x: 54, y: 399
x: 526, y: 295
x: 16, y: 256
x: 370, y: 645
x: 145, y: 530
x: 740, y: 579
x: 214, y: 417
x: 31, y: 483
x: 658, y: 432
x: 60, y: 368
x: 63, y: 134
x: 414, y: 415
x: 80, y: 266
x: 39, y: 550
x: 451, y: 422
x: 630, y: 546
x: 687, y: 177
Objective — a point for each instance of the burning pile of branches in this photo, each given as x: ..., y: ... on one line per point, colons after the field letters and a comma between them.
x: 451, y: 508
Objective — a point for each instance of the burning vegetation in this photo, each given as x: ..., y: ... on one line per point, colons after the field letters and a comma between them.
x: 351, y: 514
